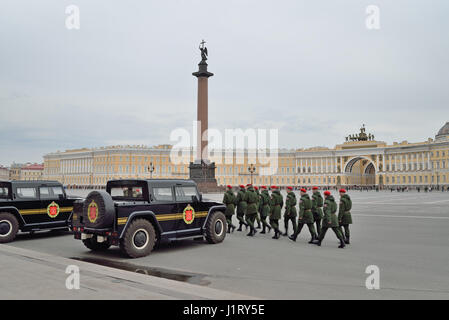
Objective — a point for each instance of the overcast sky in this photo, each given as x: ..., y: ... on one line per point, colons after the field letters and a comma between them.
x: 308, y: 68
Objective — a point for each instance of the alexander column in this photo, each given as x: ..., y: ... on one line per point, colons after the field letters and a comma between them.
x: 202, y: 170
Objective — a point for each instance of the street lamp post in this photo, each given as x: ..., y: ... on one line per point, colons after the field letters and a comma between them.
x: 151, y: 169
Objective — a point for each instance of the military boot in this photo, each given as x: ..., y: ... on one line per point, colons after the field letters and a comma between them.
x: 286, y: 231
x: 258, y: 225
x: 317, y: 242
x: 263, y: 230
x: 293, y: 237
x: 275, y: 235
x: 240, y: 227
x: 342, y: 244
x: 314, y: 237
x: 347, y: 240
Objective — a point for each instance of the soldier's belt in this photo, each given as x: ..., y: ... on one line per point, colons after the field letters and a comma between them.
x: 308, y: 210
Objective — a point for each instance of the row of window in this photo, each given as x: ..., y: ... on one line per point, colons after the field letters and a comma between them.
x: 418, y: 166
x: 43, y: 193
x: 417, y: 155
x: 416, y: 179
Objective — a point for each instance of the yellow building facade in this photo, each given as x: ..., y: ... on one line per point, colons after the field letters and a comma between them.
x: 359, y: 161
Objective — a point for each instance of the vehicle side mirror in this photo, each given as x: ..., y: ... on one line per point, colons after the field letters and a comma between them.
x: 195, y: 199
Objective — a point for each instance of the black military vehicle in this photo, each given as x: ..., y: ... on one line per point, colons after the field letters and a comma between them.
x: 136, y: 214
x: 32, y: 206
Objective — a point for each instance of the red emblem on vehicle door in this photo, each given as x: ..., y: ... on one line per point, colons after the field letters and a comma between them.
x: 53, y: 210
x: 188, y: 214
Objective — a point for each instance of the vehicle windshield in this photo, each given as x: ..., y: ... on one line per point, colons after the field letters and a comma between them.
x: 127, y: 193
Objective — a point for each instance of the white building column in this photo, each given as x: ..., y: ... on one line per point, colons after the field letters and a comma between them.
x: 422, y: 161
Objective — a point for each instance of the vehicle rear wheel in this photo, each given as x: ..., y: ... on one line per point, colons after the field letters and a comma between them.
x: 9, y: 226
x: 216, y: 227
x: 139, y: 239
x: 93, y: 245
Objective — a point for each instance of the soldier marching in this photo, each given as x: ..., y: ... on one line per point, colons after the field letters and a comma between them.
x: 241, y: 202
x: 254, y: 205
x: 305, y: 217
x: 290, y: 211
x: 229, y: 200
x: 276, y: 204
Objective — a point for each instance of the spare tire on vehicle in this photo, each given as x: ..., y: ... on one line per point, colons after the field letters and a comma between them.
x: 98, y: 210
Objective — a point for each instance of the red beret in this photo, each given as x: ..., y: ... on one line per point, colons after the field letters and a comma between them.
x: 290, y: 188
x: 315, y: 188
x: 274, y: 187
x: 248, y: 184
x: 327, y: 193
x: 241, y: 186
x: 263, y: 187
x: 229, y: 186
x: 256, y: 188
x: 342, y: 191
x: 303, y: 190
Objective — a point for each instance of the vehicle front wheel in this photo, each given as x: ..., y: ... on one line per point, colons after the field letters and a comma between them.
x: 216, y: 227
x: 9, y: 226
x: 93, y: 245
x: 139, y: 239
